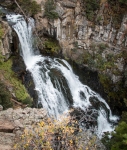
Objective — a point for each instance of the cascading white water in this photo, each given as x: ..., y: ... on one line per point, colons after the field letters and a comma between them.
x: 50, y: 77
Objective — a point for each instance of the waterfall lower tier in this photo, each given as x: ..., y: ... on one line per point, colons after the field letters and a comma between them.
x: 57, y: 86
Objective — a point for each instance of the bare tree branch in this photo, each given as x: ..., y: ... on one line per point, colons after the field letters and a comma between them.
x: 20, y: 9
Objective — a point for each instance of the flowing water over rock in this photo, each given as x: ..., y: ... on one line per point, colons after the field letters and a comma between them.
x: 57, y: 86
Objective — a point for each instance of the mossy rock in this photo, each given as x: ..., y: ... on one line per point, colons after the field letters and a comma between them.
x: 11, y: 78
x: 5, y: 96
x: 51, y: 46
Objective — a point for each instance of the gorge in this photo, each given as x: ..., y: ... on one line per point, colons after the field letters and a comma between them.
x: 54, y: 80
x: 97, y: 43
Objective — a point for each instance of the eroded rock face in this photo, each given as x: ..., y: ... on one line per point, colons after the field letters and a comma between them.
x: 6, y: 40
x: 75, y: 27
x: 76, y: 33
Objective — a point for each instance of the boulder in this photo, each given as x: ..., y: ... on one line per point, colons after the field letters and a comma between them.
x: 6, y: 126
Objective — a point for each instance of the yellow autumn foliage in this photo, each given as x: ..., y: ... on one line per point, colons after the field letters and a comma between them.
x: 50, y: 134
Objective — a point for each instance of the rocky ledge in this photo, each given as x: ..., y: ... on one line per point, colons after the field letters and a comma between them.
x: 14, y: 121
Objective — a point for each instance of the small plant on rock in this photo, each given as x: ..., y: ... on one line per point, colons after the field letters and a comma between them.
x: 30, y: 7
x: 50, y: 10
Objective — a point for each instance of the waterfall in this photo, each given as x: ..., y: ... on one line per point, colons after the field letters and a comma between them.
x: 57, y: 86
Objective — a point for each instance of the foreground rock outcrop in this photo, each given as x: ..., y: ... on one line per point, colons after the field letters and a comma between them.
x: 14, y: 121
x: 6, y: 39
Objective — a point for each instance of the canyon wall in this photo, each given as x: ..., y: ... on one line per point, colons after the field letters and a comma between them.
x: 76, y: 34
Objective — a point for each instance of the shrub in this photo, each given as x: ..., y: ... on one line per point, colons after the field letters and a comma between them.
x: 30, y: 7
x: 27, y: 101
x: 119, y: 140
x: 119, y: 1
x: 90, y: 7
x: 5, y: 96
x: 50, y: 10
x: 75, y: 44
x: 51, y: 46
x: 119, y: 137
x: 106, y: 140
x: 124, y: 116
x: 102, y: 46
x: 53, y: 135
x: 11, y: 78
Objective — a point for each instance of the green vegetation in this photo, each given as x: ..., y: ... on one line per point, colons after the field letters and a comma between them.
x: 11, y: 79
x: 123, y: 1
x: 51, y: 46
x: 5, y: 96
x: 53, y: 135
x: 95, y: 59
x: 116, y: 9
x: 118, y: 1
x: 30, y: 7
x: 90, y: 7
x: 119, y: 138
x: 102, y: 62
x: 1, y: 31
x: 115, y: 91
x: 50, y: 10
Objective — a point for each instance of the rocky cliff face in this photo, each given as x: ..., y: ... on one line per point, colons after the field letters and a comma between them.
x: 13, y: 123
x: 6, y: 39
x: 86, y: 42
x: 99, y: 44
x: 76, y: 34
